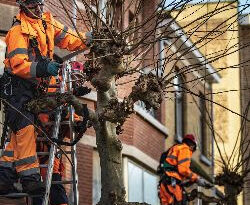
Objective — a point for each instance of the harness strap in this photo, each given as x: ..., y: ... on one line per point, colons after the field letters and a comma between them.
x: 34, y: 44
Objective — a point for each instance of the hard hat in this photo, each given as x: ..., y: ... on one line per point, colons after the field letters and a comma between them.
x: 27, y: 2
x: 191, y: 138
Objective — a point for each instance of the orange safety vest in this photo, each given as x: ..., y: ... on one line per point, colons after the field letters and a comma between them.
x: 179, y: 156
x: 20, y: 58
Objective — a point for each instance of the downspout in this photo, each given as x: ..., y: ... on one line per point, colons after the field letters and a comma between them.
x: 212, y: 118
x: 161, y: 58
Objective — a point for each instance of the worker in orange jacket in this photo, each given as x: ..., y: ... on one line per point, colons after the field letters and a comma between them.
x: 30, y: 48
x: 176, y: 170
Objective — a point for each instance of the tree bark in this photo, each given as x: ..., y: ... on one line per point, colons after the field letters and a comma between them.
x: 109, y: 148
x: 231, y: 193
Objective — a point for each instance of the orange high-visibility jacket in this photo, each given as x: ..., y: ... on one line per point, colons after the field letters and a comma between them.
x: 180, y: 157
x: 20, y: 56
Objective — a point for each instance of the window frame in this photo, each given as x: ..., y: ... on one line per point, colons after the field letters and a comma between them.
x: 179, y: 109
x: 204, y: 137
x: 127, y: 160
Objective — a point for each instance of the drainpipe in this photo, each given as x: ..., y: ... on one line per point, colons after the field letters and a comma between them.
x: 161, y: 58
x: 213, y: 135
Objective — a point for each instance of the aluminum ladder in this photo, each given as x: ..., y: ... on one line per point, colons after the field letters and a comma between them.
x: 66, y: 81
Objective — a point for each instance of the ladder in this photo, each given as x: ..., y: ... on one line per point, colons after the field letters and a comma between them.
x: 66, y: 81
x: 66, y: 77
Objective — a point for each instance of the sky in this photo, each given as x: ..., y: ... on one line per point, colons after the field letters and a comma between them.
x: 242, y: 4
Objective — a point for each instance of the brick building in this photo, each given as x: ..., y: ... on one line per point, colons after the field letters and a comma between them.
x: 144, y: 132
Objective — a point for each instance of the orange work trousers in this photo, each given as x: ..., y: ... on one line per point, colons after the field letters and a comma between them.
x: 20, y: 153
x: 169, y: 194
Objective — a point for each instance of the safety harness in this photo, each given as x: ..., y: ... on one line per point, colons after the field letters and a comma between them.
x: 164, y: 166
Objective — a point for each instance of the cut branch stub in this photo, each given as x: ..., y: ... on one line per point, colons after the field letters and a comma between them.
x: 110, y: 51
x: 106, y: 56
x: 209, y: 199
x: 51, y: 101
x: 229, y: 177
x: 117, y: 112
x: 233, y: 185
x: 149, y: 90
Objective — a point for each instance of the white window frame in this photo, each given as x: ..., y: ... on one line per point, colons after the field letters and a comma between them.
x: 126, y: 160
x: 94, y: 173
x: 143, y: 106
x: 205, y: 159
x: 179, y: 97
x: 102, y: 7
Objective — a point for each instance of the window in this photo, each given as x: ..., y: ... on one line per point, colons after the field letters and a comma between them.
x: 96, y: 185
x: 203, y: 128
x: 179, y: 107
x: 142, y: 185
x: 102, y: 8
x: 151, y: 111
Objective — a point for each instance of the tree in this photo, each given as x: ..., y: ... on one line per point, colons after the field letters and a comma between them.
x: 121, y: 51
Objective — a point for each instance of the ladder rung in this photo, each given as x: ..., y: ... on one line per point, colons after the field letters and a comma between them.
x: 43, y: 166
x: 54, y: 86
x: 42, y: 153
x: 66, y: 122
x: 62, y: 182
x: 41, y: 139
x: 47, y: 153
x: 18, y: 195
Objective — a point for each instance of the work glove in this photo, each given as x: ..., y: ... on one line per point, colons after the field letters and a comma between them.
x: 53, y: 68
x: 45, y: 68
x: 202, y: 182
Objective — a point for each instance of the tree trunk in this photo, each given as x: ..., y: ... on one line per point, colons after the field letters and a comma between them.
x: 231, y: 193
x: 109, y: 148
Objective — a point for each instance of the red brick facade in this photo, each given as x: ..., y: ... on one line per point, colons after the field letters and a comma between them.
x: 137, y: 132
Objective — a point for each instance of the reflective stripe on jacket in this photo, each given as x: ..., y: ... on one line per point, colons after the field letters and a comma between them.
x: 21, y: 58
x: 180, y: 156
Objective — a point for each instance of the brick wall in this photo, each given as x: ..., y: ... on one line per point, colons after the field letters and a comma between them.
x: 10, y: 2
x: 4, y: 201
x: 147, y: 138
x: 137, y: 131
x: 85, y: 163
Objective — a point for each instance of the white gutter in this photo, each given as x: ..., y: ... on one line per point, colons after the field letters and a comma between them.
x: 187, y: 42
